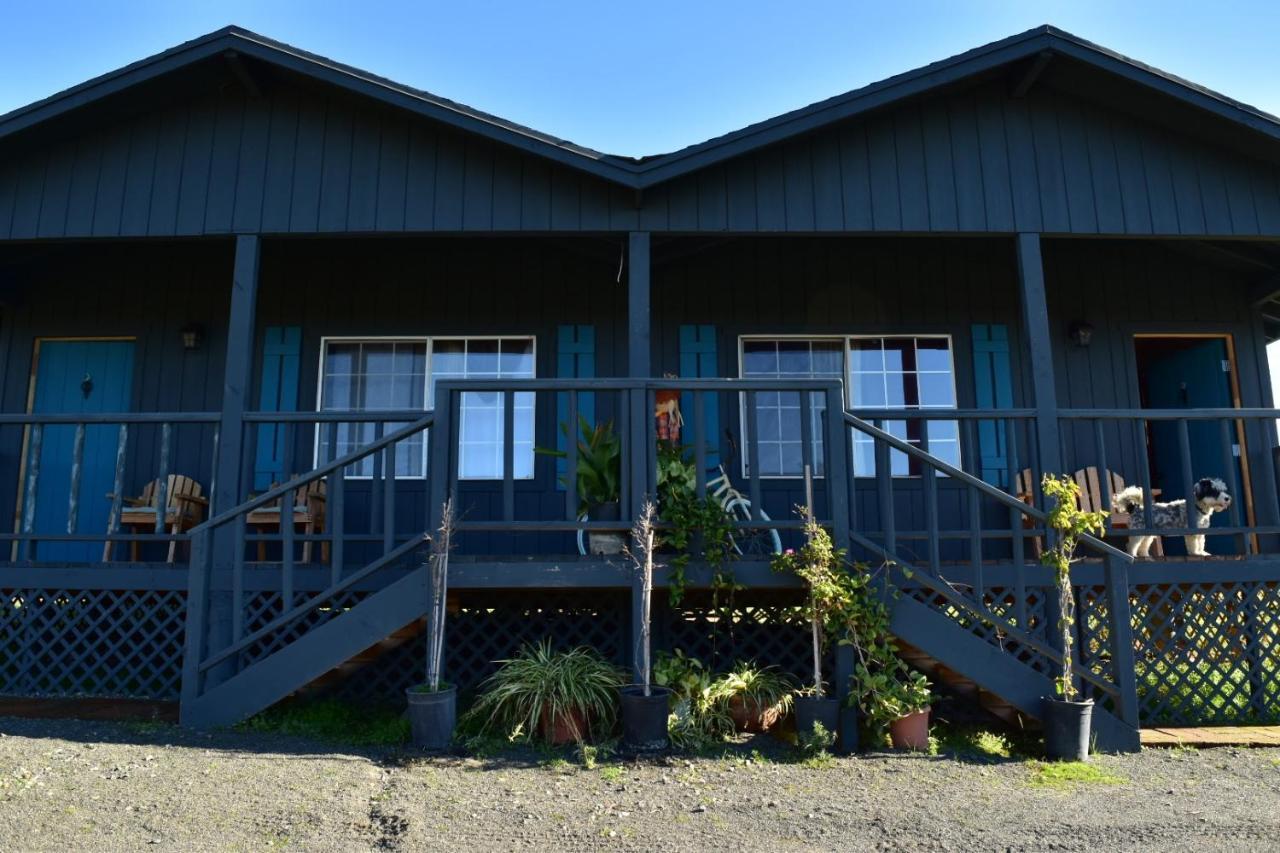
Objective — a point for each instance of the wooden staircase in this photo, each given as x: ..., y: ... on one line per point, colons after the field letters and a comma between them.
x: 1000, y: 682
x: 386, y: 618
x: 352, y: 666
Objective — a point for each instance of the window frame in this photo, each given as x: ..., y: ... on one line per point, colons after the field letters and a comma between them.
x: 427, y: 391
x: 846, y: 389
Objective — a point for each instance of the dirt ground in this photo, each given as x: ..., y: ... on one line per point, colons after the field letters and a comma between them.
x: 98, y: 786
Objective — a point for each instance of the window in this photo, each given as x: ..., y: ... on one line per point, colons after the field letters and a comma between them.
x: 907, y: 372
x: 903, y: 373
x: 400, y: 375
x: 778, y: 412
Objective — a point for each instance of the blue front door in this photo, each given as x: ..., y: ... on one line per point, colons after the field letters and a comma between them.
x: 1188, y: 373
x: 78, y: 377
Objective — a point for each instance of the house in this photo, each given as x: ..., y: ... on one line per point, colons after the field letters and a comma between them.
x: 293, y: 283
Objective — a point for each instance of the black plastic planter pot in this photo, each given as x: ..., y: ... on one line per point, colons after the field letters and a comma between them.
x: 1067, y: 728
x: 815, y: 709
x: 432, y: 716
x: 644, y: 718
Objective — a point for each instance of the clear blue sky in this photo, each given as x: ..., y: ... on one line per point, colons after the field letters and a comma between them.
x: 639, y: 77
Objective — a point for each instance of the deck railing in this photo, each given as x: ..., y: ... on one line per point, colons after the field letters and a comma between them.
x: 133, y: 446
x: 1120, y: 441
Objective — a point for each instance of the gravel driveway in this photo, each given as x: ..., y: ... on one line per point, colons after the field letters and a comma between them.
x: 77, y: 785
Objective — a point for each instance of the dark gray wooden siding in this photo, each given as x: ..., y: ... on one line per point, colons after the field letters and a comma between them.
x: 147, y: 294
x: 307, y: 160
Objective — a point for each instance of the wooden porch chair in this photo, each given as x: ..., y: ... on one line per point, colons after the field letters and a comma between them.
x: 184, y: 509
x: 1093, y: 496
x: 308, y: 517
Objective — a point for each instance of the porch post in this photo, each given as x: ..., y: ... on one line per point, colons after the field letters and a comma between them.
x: 236, y: 381
x: 1035, y: 323
x: 638, y: 357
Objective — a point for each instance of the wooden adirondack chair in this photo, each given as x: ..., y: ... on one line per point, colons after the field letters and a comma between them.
x: 184, y: 509
x: 1093, y: 496
x: 308, y: 517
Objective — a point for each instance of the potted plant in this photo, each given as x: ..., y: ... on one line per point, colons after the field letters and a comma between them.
x: 559, y: 696
x: 433, y: 706
x: 644, y: 706
x: 698, y: 716
x: 1068, y: 719
x: 597, y: 479
x: 906, y: 705
x: 756, y: 697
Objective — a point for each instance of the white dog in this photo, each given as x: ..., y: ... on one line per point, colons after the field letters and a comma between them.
x: 1210, y: 496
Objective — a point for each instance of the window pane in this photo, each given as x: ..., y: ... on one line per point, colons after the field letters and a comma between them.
x: 516, y: 358
x: 933, y: 354
x: 936, y: 389
x: 899, y: 354
x: 482, y: 359
x: 868, y: 391
x: 866, y: 355
x: 759, y: 359
x: 827, y: 359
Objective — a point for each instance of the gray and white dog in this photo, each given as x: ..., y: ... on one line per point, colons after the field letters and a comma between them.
x: 1210, y: 496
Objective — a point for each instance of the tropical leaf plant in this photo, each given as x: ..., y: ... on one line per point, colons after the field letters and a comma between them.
x: 599, y: 472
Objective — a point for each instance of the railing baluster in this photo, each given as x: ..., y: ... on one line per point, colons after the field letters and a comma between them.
x: 929, y: 481
x: 1245, y: 542
x: 213, y: 477
x: 571, y: 460
x: 1104, y: 470
x: 336, y: 516
x: 806, y: 441
x: 29, y: 494
x: 389, y: 502
x: 117, y: 491
x: 508, y: 455
x: 838, y: 470
x: 237, y: 576
x: 376, y: 484
x: 287, y: 503
x: 162, y: 482
x: 1188, y: 474
x: 884, y: 484
x: 651, y: 443
x: 77, y: 465
x: 974, y: 499
x: 197, y: 591
x: 700, y: 444
x: 1016, y: 519
x: 1144, y: 469
x: 753, y: 453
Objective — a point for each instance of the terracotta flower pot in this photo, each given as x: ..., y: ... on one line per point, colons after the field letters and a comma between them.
x: 565, y: 728
x: 911, y: 731
x: 748, y: 716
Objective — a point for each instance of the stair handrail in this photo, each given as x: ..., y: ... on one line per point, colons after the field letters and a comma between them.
x: 194, y: 663
x: 1017, y: 634
x: 1092, y: 542
x: 311, y: 603
x: 247, y: 506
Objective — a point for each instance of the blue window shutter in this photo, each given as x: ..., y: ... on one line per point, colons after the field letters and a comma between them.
x: 993, y: 389
x: 575, y: 359
x: 698, y: 361
x: 281, y: 354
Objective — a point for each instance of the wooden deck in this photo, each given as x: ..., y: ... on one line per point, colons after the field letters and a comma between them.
x: 1206, y: 736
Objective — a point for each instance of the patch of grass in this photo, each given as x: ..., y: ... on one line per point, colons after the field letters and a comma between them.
x: 332, y: 721
x: 975, y: 744
x: 611, y: 773
x: 1061, y: 774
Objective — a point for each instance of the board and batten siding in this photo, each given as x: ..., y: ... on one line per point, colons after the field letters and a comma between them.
x: 304, y: 160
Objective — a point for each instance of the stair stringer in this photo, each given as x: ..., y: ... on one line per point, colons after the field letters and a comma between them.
x: 271, y: 679
x: 995, y: 670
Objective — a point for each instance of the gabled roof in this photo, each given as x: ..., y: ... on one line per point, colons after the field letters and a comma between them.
x: 646, y: 171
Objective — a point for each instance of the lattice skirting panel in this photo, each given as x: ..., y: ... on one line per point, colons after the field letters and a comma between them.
x: 114, y: 643
x: 1205, y: 653
x: 487, y: 626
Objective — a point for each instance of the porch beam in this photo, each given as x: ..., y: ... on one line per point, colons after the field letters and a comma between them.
x: 1039, y: 335
x: 638, y: 260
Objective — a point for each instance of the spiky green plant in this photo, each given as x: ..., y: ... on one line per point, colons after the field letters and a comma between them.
x: 768, y: 689
x: 540, y: 686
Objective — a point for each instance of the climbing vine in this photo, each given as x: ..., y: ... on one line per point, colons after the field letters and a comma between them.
x: 692, y: 525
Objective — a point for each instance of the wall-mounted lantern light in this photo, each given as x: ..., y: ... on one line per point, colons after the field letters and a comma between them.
x: 192, y: 336
x: 1081, y: 333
